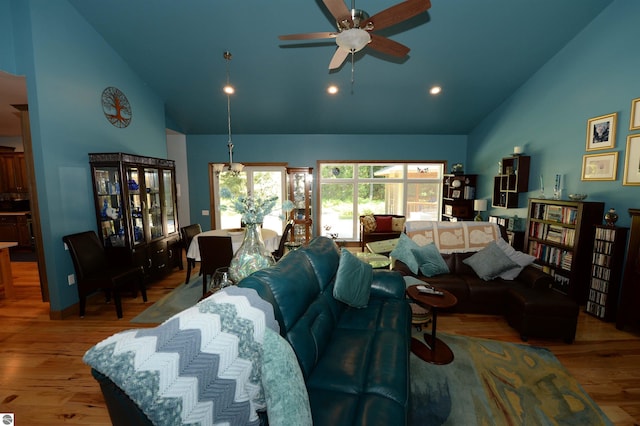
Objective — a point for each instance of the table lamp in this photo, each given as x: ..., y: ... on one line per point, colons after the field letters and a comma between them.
x: 479, y: 206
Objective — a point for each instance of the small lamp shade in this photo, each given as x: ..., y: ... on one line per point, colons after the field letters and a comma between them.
x: 479, y: 206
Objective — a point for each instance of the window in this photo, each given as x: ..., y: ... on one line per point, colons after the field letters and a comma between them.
x: 263, y: 180
x: 348, y: 190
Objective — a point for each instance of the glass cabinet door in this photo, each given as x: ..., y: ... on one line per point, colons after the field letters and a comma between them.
x: 136, y: 204
x: 167, y: 187
x: 154, y: 205
x: 109, y: 200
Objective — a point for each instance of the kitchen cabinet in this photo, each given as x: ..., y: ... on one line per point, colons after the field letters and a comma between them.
x: 136, y: 210
x: 15, y: 227
x: 13, y: 172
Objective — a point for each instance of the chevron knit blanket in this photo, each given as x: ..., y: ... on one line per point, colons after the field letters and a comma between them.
x: 200, y: 367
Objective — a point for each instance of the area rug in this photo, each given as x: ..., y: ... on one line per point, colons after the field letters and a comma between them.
x: 182, y: 297
x: 498, y: 383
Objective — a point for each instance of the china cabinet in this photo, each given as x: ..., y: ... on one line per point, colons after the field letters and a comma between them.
x: 458, y: 193
x: 136, y: 210
x: 299, y: 180
x: 560, y: 235
x: 511, y: 181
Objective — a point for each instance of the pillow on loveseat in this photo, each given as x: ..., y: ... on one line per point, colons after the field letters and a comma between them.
x: 368, y: 223
x: 490, y: 262
x: 522, y: 259
x: 384, y: 224
x: 430, y: 260
x: 403, y: 253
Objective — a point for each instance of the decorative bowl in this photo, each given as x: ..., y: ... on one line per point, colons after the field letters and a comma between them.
x: 577, y: 197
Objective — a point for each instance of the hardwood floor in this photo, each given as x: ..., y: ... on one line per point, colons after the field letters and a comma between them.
x: 44, y: 381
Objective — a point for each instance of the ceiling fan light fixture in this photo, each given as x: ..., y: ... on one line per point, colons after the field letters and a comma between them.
x: 353, y: 40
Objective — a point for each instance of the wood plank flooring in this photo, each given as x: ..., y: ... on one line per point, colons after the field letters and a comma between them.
x: 44, y: 381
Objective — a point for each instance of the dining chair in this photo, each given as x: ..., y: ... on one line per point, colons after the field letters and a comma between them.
x: 187, y: 233
x: 93, y: 271
x: 279, y: 252
x: 215, y: 252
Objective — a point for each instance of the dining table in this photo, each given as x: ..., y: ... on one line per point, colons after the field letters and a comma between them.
x: 270, y: 237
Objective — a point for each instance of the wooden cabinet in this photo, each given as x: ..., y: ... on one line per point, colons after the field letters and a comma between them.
x: 560, y: 235
x: 15, y: 228
x: 299, y: 180
x: 458, y: 193
x: 136, y: 210
x: 629, y: 309
x: 512, y: 180
x: 606, y: 271
x: 13, y: 172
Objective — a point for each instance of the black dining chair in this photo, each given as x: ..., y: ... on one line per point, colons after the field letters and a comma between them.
x: 93, y: 271
x: 279, y: 252
x: 215, y: 252
x: 186, y: 234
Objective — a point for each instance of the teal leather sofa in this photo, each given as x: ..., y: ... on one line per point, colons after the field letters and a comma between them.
x: 355, y: 362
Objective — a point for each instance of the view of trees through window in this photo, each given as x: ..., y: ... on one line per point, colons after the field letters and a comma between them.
x: 348, y: 190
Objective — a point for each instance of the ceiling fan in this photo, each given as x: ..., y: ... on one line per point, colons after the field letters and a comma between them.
x: 356, y: 28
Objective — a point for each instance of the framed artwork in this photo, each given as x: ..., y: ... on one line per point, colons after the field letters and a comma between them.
x: 632, y: 161
x: 634, y: 124
x: 600, y: 166
x: 601, y: 132
x: 455, y: 193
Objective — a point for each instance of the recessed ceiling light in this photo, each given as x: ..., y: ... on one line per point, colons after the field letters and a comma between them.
x: 332, y: 90
x: 435, y: 90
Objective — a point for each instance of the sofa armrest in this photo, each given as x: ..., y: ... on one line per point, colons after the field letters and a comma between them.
x: 535, y: 278
x: 387, y: 284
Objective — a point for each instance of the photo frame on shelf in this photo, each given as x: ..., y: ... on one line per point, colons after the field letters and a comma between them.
x: 601, y: 132
x: 634, y: 123
x: 455, y: 193
x: 632, y: 161
x: 600, y: 166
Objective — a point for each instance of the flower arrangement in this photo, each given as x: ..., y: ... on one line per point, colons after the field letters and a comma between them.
x: 254, y: 208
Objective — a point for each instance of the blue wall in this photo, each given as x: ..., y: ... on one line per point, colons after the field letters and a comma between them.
x: 67, y: 66
x: 305, y: 150
x: 595, y: 74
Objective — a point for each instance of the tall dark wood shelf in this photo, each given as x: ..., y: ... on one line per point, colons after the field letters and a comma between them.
x: 299, y: 180
x: 458, y: 193
x: 628, y: 309
x: 606, y: 271
x: 511, y: 182
x: 560, y: 235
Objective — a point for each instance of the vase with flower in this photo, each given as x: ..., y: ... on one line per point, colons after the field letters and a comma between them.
x: 252, y: 254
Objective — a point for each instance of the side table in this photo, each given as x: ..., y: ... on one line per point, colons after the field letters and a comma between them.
x: 435, y: 351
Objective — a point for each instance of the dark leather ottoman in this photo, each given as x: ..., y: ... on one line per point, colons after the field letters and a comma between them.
x: 541, y: 313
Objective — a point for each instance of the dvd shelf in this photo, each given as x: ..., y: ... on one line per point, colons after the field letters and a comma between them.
x: 560, y: 235
x: 606, y: 266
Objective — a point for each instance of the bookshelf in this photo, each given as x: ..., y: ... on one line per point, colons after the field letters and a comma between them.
x: 560, y: 235
x: 458, y: 193
x: 606, y: 269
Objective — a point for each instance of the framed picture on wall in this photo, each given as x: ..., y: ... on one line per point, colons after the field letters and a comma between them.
x: 634, y: 124
x: 600, y: 166
x: 601, y: 132
x: 632, y: 161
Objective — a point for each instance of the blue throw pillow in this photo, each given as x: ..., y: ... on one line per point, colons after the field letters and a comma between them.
x: 353, y: 280
x: 490, y: 262
x: 430, y: 260
x: 403, y: 253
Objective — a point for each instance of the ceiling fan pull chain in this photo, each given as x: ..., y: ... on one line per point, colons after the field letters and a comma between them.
x: 353, y: 69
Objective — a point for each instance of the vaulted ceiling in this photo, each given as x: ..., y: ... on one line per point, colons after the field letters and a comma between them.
x: 479, y: 52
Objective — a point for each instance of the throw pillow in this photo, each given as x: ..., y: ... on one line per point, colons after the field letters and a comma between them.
x: 490, y: 262
x: 368, y: 223
x: 353, y: 280
x: 397, y: 224
x: 522, y: 259
x: 403, y: 253
x: 384, y: 223
x: 430, y: 260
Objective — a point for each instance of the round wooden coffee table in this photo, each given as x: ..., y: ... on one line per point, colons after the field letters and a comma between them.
x: 435, y: 351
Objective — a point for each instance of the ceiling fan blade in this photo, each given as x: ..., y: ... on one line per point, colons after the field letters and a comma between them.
x: 308, y: 36
x: 339, y: 10
x: 396, y: 14
x: 338, y: 58
x: 388, y: 46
